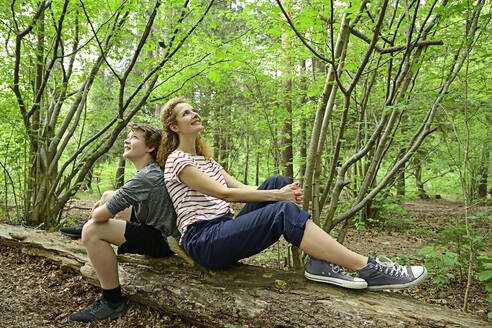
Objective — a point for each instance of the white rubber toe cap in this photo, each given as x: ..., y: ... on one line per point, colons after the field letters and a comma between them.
x: 418, y: 271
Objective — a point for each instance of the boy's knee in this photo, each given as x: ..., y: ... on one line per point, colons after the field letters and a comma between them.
x: 88, y: 231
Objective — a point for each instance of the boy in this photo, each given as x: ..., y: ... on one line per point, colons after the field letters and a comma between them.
x: 148, y: 218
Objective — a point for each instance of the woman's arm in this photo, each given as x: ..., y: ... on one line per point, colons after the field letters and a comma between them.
x: 233, y: 183
x: 197, y: 180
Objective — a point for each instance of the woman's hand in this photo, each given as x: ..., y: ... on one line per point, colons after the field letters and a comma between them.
x: 293, y: 193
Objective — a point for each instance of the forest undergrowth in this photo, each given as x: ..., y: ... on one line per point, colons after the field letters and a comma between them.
x: 35, y: 292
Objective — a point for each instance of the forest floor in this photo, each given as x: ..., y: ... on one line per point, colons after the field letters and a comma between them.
x: 35, y: 292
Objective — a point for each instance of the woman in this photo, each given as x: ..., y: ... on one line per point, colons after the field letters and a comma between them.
x: 201, y: 190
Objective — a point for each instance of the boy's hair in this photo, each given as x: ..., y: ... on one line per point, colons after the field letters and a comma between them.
x: 152, y: 135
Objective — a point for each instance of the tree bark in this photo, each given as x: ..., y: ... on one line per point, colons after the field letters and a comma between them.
x: 483, y: 172
x: 120, y: 173
x: 418, y: 182
x: 400, y: 179
x: 246, y: 162
x: 287, y: 151
x: 242, y: 294
x: 303, y: 120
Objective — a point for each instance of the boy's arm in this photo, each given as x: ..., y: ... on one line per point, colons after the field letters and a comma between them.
x: 101, y: 214
x: 134, y: 191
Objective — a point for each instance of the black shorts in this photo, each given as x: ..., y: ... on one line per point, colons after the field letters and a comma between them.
x: 144, y: 239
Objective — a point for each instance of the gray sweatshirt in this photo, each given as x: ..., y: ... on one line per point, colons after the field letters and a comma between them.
x: 147, y: 193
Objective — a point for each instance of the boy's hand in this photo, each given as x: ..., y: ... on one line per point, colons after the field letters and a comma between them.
x: 101, y: 214
x: 100, y: 202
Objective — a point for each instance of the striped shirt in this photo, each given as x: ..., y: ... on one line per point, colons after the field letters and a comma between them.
x: 191, y: 205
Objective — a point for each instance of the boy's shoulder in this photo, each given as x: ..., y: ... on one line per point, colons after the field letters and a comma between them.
x: 150, y: 172
x: 151, y: 167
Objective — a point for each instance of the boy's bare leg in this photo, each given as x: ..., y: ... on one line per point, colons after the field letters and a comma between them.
x: 317, y: 243
x: 97, y: 239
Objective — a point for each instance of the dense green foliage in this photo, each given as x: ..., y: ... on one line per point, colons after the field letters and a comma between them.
x: 411, y: 96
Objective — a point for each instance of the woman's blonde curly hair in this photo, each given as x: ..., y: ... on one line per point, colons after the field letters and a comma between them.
x: 170, y: 139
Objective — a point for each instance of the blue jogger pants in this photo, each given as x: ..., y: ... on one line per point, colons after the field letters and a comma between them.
x: 223, y: 240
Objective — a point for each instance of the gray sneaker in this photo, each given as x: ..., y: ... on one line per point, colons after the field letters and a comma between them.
x: 323, y: 271
x: 382, y: 273
x: 100, y: 310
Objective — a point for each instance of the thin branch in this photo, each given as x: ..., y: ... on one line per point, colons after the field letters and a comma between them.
x: 7, y: 43
x: 182, y: 16
x: 77, y: 49
x: 103, y: 53
x: 47, y: 73
x: 341, y: 38
x: 174, y: 74
x: 18, y: 42
x: 369, y: 51
x: 143, y: 39
x: 13, y: 15
x: 166, y: 59
x: 84, y: 89
x: 300, y: 36
x: 184, y: 82
x: 423, y: 43
x: 136, y: 54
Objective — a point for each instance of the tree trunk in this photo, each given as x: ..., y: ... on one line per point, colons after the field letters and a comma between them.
x: 257, y: 171
x: 418, y: 182
x: 51, y: 113
x: 120, y: 173
x: 303, y: 120
x: 287, y: 152
x: 246, y: 161
x: 483, y: 172
x: 400, y: 179
x: 242, y: 294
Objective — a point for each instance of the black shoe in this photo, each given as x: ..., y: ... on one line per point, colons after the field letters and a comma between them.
x: 100, y: 310
x: 73, y: 232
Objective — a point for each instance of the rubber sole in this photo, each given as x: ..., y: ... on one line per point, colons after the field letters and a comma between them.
x: 73, y: 236
x: 335, y: 281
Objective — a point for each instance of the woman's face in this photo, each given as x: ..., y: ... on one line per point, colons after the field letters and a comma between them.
x: 189, y: 122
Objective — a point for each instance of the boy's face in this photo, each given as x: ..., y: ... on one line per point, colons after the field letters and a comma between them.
x: 135, y: 147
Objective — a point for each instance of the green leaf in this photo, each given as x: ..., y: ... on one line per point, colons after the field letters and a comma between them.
x: 485, y: 275
x: 448, y: 261
x: 415, y: 67
x: 214, y: 76
x: 426, y: 250
x: 350, y: 66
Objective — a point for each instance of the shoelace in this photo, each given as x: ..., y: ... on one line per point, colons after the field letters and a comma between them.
x: 390, y: 267
x: 338, y: 269
x: 95, y: 306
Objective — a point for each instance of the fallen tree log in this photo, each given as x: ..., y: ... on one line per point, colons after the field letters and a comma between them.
x: 243, y: 294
